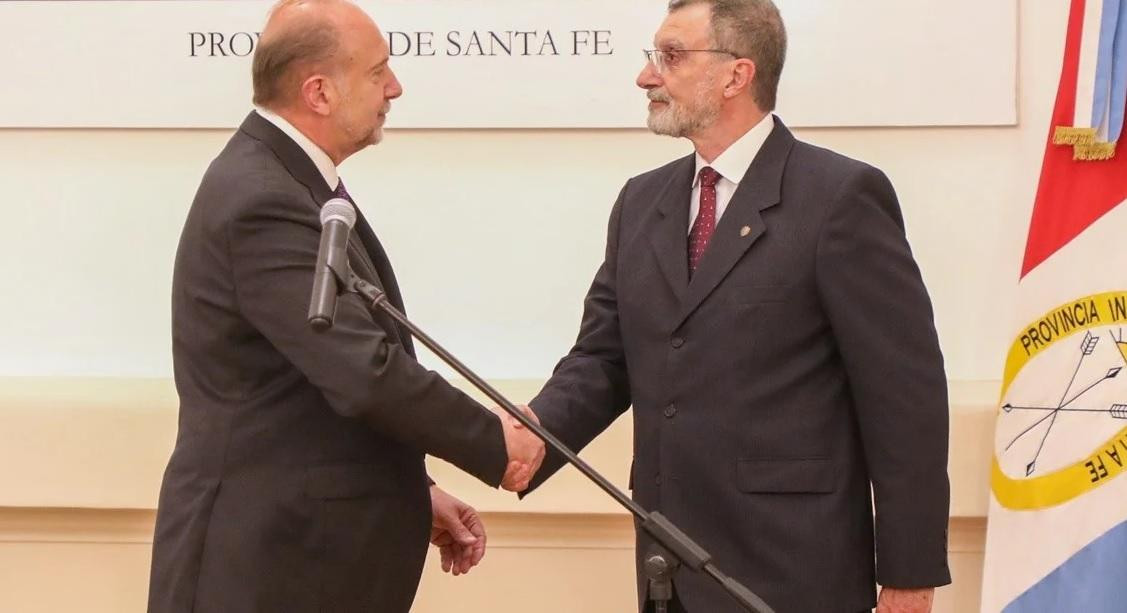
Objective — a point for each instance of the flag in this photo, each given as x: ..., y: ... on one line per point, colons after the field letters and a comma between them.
x: 1057, y: 529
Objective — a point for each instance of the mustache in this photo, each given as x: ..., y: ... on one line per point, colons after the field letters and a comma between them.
x: 658, y: 95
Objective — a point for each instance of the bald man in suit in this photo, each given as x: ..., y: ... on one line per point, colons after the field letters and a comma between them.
x: 297, y: 483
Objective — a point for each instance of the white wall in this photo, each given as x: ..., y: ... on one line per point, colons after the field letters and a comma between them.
x: 494, y: 234
x: 170, y: 74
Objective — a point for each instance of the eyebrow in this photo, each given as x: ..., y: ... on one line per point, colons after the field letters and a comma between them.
x: 672, y: 44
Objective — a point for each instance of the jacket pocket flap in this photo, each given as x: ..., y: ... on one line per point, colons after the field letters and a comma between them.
x: 347, y: 480
x: 785, y: 475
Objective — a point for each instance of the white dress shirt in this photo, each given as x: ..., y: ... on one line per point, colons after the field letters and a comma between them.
x: 732, y: 165
x: 320, y: 159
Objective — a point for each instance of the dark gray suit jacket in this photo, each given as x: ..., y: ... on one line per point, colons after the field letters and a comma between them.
x: 797, y: 367
x: 297, y: 483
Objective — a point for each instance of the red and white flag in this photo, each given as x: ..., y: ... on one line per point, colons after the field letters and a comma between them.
x: 1057, y: 532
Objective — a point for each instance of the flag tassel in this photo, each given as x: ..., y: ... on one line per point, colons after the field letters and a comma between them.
x: 1093, y: 152
x: 1069, y: 135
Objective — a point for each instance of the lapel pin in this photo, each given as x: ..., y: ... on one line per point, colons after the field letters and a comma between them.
x: 744, y: 231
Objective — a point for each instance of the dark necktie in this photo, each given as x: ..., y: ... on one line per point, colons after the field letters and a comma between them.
x: 705, y: 223
x: 341, y: 192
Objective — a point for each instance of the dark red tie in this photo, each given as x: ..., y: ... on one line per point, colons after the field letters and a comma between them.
x: 705, y: 222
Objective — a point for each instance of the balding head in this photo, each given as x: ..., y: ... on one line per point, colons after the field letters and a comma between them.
x: 323, y: 66
x: 301, y: 38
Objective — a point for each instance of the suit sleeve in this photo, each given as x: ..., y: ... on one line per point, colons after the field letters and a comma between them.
x: 273, y: 246
x: 882, y: 321
x: 589, y: 388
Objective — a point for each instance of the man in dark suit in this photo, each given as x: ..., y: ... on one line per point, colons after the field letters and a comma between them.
x: 760, y: 308
x: 297, y: 483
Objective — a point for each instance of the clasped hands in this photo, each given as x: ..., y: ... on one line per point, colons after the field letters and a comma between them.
x: 526, y: 450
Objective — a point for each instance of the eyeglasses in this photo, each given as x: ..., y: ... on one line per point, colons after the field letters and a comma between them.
x: 664, y: 59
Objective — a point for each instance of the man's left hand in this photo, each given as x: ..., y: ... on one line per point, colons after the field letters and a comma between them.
x: 457, y: 531
x: 893, y: 600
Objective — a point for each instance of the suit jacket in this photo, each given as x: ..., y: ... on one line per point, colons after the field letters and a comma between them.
x: 798, y: 366
x: 297, y: 483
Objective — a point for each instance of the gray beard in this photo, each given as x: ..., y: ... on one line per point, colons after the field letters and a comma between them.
x: 679, y: 121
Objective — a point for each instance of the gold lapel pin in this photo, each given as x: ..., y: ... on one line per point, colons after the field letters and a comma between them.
x: 744, y: 231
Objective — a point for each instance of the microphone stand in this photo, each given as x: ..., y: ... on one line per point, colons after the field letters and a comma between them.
x: 674, y: 548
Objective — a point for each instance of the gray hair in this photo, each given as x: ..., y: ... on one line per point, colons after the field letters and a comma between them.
x: 751, y: 29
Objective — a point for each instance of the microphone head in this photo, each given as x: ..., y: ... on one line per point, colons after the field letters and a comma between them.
x: 320, y: 323
x: 338, y: 209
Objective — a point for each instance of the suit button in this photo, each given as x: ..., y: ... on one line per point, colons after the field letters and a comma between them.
x: 677, y: 342
x: 670, y: 411
x: 657, y: 480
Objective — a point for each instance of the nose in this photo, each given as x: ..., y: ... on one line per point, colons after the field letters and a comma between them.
x: 394, y: 89
x: 649, y: 78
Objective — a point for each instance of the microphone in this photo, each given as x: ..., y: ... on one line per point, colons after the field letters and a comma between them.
x: 337, y: 218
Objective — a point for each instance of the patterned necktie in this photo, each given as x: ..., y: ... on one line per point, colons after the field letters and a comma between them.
x: 341, y: 192
x: 705, y: 222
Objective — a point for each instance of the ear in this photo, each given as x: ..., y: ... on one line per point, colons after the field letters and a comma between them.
x: 741, y: 78
x: 318, y: 94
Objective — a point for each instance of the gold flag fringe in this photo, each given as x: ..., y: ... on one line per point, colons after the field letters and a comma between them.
x: 1068, y: 135
x: 1093, y: 152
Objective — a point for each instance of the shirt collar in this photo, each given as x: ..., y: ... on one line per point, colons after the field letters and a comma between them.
x: 317, y: 155
x: 733, y: 163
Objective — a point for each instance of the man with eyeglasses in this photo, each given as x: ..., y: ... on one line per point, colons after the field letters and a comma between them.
x: 760, y: 308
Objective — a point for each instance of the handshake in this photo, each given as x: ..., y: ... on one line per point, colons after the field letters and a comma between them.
x: 526, y: 450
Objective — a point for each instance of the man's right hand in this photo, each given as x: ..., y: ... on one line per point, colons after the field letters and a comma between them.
x: 526, y: 452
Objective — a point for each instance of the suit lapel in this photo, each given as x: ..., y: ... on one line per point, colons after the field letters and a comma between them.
x: 297, y: 162
x: 759, y: 189
x: 669, y: 233
x: 362, y: 240
x: 367, y: 236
